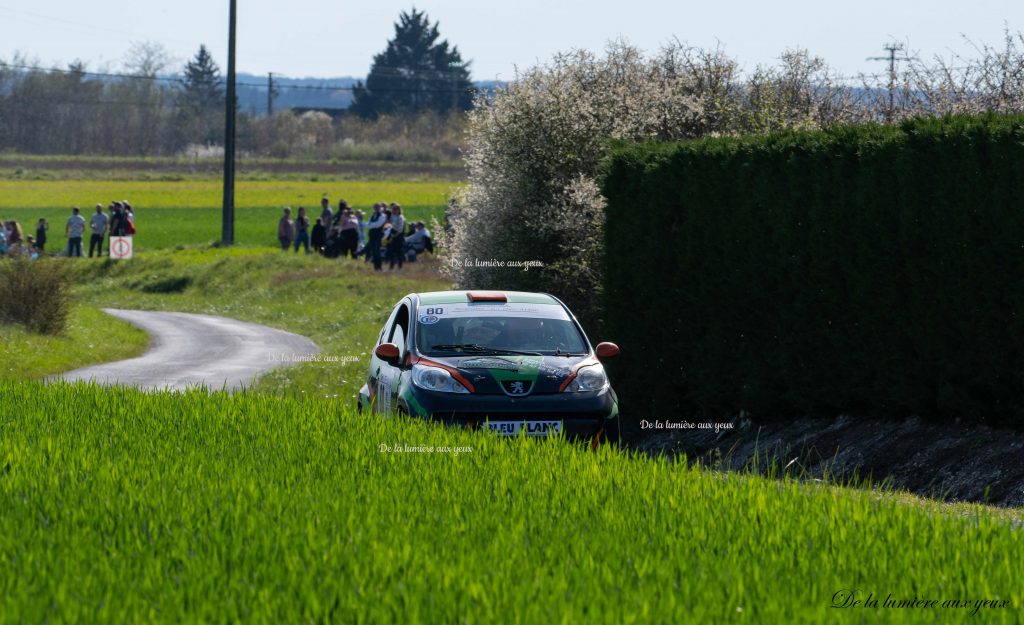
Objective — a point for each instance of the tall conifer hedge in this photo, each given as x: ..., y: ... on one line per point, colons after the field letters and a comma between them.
x: 867, y: 270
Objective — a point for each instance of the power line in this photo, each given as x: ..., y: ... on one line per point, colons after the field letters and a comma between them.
x: 51, y: 18
x: 182, y: 81
x: 279, y: 88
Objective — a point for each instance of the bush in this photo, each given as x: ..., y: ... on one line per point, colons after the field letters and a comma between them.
x: 535, y: 147
x: 35, y: 294
x: 871, y: 270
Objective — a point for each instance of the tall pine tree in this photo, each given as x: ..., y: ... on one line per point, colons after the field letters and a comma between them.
x: 202, y: 99
x: 203, y: 88
x: 415, y: 73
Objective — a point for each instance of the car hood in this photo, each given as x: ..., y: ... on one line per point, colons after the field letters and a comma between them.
x: 515, y: 375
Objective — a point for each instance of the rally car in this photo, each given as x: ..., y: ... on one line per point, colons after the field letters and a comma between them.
x: 515, y: 363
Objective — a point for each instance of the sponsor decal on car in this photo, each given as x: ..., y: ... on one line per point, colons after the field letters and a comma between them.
x: 490, y: 363
x: 490, y: 309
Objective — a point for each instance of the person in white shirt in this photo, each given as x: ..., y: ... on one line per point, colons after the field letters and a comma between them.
x: 396, y: 246
x: 98, y: 224
x: 74, y: 230
x: 418, y: 241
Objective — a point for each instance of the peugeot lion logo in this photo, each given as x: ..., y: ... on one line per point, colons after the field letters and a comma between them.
x: 517, y: 387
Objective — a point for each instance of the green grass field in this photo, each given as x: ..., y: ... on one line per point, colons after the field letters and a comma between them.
x: 117, y: 506
x: 187, y: 212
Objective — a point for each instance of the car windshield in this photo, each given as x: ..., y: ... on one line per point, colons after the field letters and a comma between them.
x: 489, y: 328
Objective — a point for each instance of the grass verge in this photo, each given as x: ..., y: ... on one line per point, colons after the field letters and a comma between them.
x: 90, y: 337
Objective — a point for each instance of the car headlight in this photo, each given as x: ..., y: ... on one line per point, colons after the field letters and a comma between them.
x: 436, y: 379
x: 589, y: 378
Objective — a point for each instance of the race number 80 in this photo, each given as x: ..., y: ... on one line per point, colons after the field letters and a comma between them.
x: 434, y: 311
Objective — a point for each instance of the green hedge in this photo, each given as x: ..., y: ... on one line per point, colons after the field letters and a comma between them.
x: 868, y: 270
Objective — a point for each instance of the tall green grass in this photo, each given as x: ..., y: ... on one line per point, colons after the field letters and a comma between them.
x: 119, y: 506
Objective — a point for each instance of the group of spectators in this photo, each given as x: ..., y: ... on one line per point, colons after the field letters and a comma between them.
x: 119, y: 221
x: 384, y: 237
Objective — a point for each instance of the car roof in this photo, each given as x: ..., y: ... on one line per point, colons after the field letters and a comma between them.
x: 461, y: 297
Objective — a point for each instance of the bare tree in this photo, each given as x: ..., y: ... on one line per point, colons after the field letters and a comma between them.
x: 147, y: 59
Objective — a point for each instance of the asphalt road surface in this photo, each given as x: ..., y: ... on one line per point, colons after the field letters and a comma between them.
x: 188, y: 350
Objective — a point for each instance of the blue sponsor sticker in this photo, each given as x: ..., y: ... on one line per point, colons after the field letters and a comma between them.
x: 429, y: 319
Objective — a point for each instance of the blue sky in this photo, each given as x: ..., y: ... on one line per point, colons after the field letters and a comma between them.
x: 337, y: 38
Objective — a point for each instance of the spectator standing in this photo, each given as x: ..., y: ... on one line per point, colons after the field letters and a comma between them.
x: 285, y: 229
x: 116, y: 223
x: 98, y: 224
x: 318, y: 237
x: 41, y: 229
x: 302, y: 230
x: 342, y: 207
x: 374, y: 233
x: 326, y: 214
x: 362, y: 231
x: 349, y: 233
x: 129, y: 218
x: 74, y: 230
x: 396, y: 247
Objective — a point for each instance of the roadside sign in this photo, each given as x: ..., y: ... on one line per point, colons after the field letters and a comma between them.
x: 120, y: 247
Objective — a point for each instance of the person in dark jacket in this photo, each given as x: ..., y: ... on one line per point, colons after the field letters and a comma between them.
x: 318, y: 237
x: 302, y: 230
x: 117, y: 220
x: 374, y: 234
x: 41, y: 229
x: 286, y: 229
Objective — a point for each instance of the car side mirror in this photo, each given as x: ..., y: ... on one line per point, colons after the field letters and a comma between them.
x: 388, y: 352
x: 606, y: 350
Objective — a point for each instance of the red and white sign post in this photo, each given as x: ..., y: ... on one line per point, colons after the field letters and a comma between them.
x: 120, y: 247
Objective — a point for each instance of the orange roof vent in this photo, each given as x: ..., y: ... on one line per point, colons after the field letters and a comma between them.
x: 487, y: 296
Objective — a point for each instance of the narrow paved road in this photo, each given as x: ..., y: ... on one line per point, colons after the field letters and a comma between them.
x: 189, y: 350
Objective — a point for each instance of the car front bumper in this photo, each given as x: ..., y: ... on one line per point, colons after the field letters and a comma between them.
x: 582, y: 415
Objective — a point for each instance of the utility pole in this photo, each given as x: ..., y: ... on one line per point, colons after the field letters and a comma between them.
x: 270, y: 93
x: 892, y: 49
x: 453, y: 73
x: 227, y: 232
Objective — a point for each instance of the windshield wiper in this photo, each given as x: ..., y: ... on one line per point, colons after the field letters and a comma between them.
x: 480, y: 349
x: 455, y: 347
